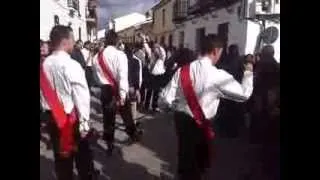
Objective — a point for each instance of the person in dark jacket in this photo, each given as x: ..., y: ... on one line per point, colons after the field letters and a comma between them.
x: 77, y: 54
x: 265, y: 126
x: 231, y: 114
x: 134, y: 78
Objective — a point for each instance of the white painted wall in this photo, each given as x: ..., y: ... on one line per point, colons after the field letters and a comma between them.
x: 237, y: 28
x: 49, y: 8
x: 241, y: 32
x: 128, y: 20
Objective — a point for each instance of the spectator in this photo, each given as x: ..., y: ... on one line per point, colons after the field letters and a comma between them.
x: 230, y: 113
x: 87, y: 54
x: 77, y: 54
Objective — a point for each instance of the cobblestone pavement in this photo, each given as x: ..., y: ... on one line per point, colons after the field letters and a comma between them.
x: 154, y: 158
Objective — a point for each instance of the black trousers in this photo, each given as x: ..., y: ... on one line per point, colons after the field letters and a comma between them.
x: 83, y: 157
x: 193, y: 155
x: 89, y: 76
x: 154, y: 90
x: 109, y: 114
x: 154, y: 94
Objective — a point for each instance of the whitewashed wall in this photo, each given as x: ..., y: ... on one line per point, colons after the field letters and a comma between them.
x: 237, y: 28
x: 241, y: 32
x: 49, y: 8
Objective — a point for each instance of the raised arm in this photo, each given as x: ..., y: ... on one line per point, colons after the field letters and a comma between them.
x: 231, y: 89
x: 168, y: 94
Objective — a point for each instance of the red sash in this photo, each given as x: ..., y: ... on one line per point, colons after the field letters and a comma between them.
x: 108, y: 75
x: 193, y: 103
x: 64, y: 122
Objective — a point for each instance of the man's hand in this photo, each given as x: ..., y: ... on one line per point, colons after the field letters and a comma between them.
x: 84, y: 128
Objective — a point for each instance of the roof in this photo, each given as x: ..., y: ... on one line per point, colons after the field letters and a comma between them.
x: 128, y: 20
x: 160, y: 4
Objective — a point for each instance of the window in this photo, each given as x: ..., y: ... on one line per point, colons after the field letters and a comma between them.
x: 170, y: 40
x: 163, y: 17
x: 181, y: 39
x: 200, y: 35
x: 56, y: 20
x: 162, y: 40
x: 79, y: 33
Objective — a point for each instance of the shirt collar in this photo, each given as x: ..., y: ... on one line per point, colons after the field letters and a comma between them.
x: 205, y: 60
x: 61, y: 53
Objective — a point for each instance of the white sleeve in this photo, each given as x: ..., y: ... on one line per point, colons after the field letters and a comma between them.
x: 231, y: 89
x: 80, y: 92
x: 140, y: 73
x: 123, y: 76
x: 168, y: 94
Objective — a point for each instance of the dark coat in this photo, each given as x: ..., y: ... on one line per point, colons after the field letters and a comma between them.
x: 77, y: 55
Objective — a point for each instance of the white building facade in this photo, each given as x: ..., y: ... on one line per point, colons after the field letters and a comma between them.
x: 237, y: 21
x: 64, y: 12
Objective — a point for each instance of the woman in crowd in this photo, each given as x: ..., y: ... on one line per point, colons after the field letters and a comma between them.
x: 229, y: 124
x: 157, y: 56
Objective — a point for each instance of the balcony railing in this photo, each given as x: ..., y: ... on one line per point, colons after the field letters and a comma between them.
x: 91, y: 15
x: 180, y: 10
x: 73, y: 4
x: 92, y: 4
x: 204, y: 6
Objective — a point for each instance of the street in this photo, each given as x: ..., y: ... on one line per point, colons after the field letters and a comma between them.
x: 154, y: 158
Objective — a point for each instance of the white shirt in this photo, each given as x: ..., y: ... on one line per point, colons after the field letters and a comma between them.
x: 67, y: 77
x: 86, y: 54
x: 156, y: 65
x: 210, y: 84
x: 117, y: 61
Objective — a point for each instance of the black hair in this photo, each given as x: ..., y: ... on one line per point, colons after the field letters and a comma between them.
x: 111, y: 38
x: 78, y: 41
x: 58, y: 33
x: 86, y: 43
x: 233, y: 50
x: 268, y: 51
x: 211, y: 42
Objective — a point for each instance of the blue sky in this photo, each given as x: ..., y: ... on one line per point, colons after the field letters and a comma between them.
x: 121, y: 7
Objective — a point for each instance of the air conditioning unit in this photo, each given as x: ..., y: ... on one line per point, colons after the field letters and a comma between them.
x: 250, y: 9
x: 267, y: 7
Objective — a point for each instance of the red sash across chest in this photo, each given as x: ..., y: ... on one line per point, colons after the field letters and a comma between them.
x: 65, y: 122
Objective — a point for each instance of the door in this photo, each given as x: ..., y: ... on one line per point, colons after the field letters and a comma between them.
x: 223, y: 31
x: 170, y: 40
x: 200, y: 35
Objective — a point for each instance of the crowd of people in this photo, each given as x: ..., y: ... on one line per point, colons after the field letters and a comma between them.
x: 148, y: 76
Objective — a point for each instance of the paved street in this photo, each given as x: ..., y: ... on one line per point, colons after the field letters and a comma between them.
x: 155, y: 156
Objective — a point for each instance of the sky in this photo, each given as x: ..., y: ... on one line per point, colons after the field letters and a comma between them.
x: 118, y: 8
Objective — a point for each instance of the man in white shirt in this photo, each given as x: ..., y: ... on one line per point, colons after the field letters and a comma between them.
x: 209, y: 84
x: 117, y: 63
x: 157, y: 57
x: 68, y: 79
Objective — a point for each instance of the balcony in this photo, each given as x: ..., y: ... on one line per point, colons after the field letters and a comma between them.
x: 204, y: 6
x: 92, y: 4
x: 91, y: 15
x: 180, y: 11
x: 73, y: 4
